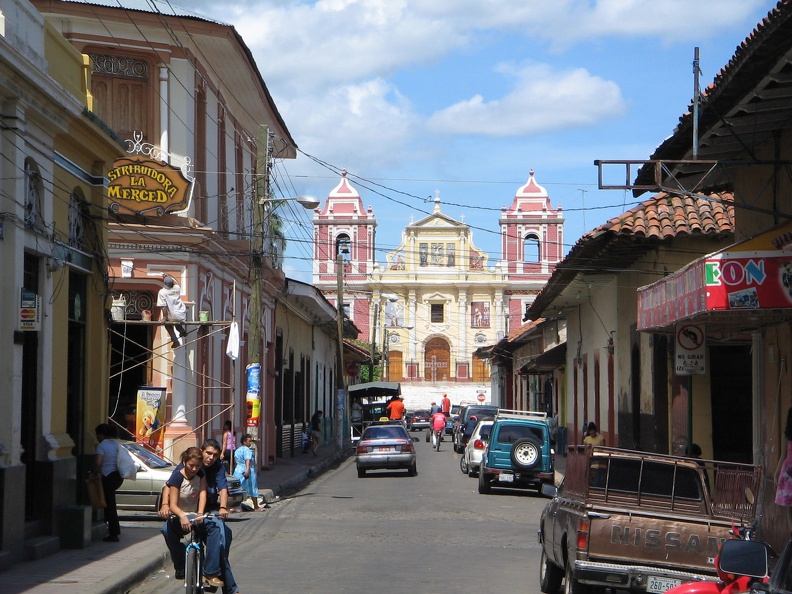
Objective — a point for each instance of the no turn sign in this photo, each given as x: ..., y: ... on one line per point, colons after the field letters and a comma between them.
x: 481, y: 398
x: 690, y: 353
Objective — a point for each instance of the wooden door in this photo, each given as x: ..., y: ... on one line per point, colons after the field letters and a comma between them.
x: 437, y: 359
x: 395, y: 366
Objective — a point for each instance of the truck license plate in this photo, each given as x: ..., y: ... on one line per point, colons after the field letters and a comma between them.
x: 506, y: 478
x: 659, y: 585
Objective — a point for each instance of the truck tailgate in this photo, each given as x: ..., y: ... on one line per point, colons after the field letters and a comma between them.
x: 638, y: 538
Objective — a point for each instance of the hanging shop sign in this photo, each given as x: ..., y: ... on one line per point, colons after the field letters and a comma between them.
x: 150, y: 418
x: 142, y: 185
x: 253, y: 397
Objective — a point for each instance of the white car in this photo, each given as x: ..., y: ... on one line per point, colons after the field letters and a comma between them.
x: 470, y: 460
x: 142, y: 493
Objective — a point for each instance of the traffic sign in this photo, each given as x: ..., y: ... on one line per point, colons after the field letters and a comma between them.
x: 481, y: 398
x: 690, y: 355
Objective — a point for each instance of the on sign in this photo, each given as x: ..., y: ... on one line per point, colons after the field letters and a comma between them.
x: 481, y: 398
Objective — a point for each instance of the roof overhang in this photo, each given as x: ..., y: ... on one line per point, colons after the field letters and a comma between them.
x: 548, y: 361
x: 735, y: 291
x: 308, y: 301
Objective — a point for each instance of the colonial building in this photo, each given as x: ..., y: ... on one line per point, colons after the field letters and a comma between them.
x: 53, y: 291
x: 437, y: 297
x: 185, y: 94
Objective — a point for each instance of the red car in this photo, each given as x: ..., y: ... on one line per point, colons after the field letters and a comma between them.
x: 418, y: 420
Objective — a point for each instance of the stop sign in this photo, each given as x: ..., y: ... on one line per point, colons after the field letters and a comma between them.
x: 481, y: 397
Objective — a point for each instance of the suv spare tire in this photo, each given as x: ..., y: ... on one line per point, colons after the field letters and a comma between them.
x: 526, y: 453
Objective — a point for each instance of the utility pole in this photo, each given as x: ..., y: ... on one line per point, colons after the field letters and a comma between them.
x: 373, y: 340
x: 253, y: 370
x: 341, y: 408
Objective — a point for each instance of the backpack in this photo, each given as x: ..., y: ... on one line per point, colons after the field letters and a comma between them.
x: 126, y: 464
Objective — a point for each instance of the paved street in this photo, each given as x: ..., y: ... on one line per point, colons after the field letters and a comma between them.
x: 386, y: 532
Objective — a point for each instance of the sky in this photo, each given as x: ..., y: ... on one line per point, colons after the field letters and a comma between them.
x: 466, y: 97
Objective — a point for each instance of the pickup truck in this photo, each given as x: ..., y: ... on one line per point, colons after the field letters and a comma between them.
x: 640, y: 522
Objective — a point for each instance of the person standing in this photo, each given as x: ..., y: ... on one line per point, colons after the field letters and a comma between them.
x: 228, y: 442
x: 395, y: 409
x: 434, y: 408
x: 245, y: 469
x: 172, y: 309
x: 783, y: 473
x: 593, y: 437
x: 316, y: 430
x: 106, y: 466
x: 446, y: 403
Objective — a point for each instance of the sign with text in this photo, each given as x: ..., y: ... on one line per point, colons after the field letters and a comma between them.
x: 690, y: 357
x: 29, y: 311
x: 141, y: 185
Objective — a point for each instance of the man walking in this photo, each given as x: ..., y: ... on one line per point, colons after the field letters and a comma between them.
x: 446, y: 402
x: 172, y: 309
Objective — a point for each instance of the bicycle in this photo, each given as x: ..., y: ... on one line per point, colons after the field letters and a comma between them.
x: 438, y: 437
x: 194, y: 558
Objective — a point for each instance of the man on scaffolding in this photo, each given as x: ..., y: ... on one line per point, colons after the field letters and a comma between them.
x: 172, y: 309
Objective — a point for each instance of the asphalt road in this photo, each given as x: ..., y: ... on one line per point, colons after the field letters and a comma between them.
x: 386, y: 533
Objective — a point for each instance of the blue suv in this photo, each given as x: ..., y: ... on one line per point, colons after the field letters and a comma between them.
x: 518, y: 454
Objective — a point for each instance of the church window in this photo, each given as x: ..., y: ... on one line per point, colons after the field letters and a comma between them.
x: 436, y: 313
x: 531, y: 249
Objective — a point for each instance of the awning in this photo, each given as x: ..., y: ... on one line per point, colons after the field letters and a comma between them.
x: 375, y: 389
x: 750, y: 277
x: 548, y: 361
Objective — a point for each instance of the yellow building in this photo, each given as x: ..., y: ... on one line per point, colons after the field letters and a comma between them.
x: 53, y: 290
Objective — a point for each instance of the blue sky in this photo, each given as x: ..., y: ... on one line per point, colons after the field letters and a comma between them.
x: 467, y: 96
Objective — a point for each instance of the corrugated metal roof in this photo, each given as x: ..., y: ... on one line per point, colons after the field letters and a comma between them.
x: 151, y: 6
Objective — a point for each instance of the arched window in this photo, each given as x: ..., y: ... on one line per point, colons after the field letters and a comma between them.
x: 344, y: 247
x: 531, y: 249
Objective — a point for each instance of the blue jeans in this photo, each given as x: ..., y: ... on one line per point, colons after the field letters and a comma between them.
x: 217, y: 540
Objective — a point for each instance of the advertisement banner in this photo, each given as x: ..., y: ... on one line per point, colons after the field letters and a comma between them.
x: 253, y: 398
x: 150, y: 418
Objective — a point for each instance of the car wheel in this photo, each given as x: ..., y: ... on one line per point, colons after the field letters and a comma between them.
x: 526, y: 453
x: 571, y: 585
x: 361, y: 472
x: 463, y: 465
x: 427, y: 435
x: 484, y: 486
x: 412, y: 470
x: 550, y: 576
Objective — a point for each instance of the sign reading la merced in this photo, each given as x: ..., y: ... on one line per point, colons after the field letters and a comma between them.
x: 139, y: 185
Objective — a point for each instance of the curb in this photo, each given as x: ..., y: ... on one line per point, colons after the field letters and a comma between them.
x: 125, y: 580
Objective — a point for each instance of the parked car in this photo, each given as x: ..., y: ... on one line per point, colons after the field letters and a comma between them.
x: 518, y: 454
x: 385, y: 445
x: 143, y: 492
x: 418, y: 420
x: 470, y: 460
x: 481, y: 411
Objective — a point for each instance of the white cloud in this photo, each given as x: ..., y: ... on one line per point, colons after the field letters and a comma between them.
x: 542, y: 100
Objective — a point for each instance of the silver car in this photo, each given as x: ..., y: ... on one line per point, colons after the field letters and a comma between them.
x: 386, y: 445
x: 143, y: 492
x: 470, y: 460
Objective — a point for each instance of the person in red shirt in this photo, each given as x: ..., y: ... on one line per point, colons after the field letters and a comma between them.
x: 438, y: 426
x: 446, y: 405
x: 395, y: 409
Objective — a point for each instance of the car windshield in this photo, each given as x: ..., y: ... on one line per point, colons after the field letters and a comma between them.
x: 421, y: 413
x: 509, y: 433
x: 385, y: 432
x: 148, y: 458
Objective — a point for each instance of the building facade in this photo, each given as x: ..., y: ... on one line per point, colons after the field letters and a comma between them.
x: 53, y: 290
x: 437, y: 297
x: 184, y: 92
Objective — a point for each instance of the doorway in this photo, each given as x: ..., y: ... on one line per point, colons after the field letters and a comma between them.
x: 732, y: 402
x: 437, y: 356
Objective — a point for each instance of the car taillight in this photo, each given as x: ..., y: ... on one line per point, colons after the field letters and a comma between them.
x: 361, y: 449
x: 584, y: 526
x: 478, y: 445
x: 407, y: 447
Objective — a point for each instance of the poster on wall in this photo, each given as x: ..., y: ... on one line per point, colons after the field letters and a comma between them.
x: 479, y: 314
x: 150, y: 418
x: 253, y: 398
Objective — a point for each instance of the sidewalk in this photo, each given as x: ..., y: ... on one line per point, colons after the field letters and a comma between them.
x: 114, y: 567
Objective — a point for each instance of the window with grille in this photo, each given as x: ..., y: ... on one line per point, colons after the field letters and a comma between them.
x: 436, y: 313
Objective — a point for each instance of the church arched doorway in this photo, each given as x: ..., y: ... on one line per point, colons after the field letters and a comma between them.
x: 437, y: 360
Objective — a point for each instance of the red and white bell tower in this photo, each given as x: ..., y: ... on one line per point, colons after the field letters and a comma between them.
x: 532, y: 235
x: 344, y: 227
